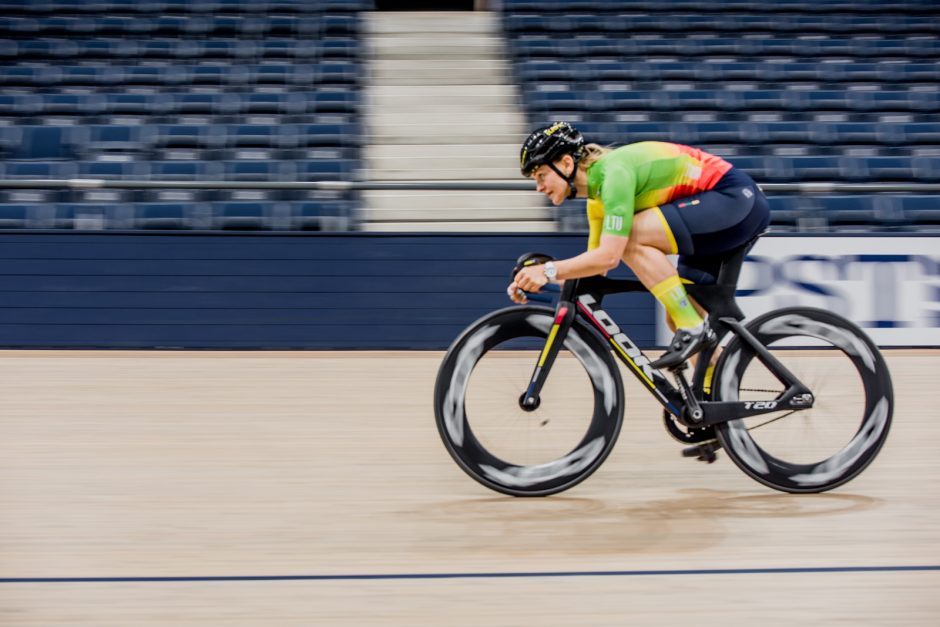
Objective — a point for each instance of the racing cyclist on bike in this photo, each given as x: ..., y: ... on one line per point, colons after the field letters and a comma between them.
x: 646, y: 200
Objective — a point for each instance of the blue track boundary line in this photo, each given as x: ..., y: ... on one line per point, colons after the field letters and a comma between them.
x: 492, y: 575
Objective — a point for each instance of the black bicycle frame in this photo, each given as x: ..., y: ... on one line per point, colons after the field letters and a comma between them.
x: 582, y: 298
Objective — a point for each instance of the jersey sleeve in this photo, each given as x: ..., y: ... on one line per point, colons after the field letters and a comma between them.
x: 595, y: 216
x: 618, y: 195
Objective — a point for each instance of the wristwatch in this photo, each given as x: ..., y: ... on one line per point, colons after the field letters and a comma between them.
x: 551, y: 272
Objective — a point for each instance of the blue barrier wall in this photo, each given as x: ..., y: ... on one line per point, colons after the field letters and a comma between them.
x: 266, y: 291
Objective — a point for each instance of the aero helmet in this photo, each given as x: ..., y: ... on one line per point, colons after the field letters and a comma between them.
x: 545, y: 145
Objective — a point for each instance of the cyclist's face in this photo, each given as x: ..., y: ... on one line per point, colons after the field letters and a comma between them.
x: 549, y: 183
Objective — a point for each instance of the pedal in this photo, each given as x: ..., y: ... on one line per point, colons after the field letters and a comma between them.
x: 707, y: 452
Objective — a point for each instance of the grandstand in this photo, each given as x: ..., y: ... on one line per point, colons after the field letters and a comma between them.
x: 275, y: 90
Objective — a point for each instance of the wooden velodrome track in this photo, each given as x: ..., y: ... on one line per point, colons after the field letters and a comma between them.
x: 311, y: 488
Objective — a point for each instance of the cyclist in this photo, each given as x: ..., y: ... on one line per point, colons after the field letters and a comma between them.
x: 644, y: 201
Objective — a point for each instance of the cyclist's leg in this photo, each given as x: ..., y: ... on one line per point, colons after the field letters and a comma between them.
x: 703, y: 227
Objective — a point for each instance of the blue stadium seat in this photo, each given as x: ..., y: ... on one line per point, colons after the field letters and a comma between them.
x: 175, y: 49
x: 20, y: 104
x: 166, y: 215
x: 258, y: 170
x: 44, y: 49
x: 246, y: 215
x: 134, y: 104
x: 20, y: 26
x: 91, y: 75
x: 333, y: 100
x: 8, y: 49
x: 339, y: 48
x: 850, y: 212
x: 328, y: 215
x: 897, y: 71
x: 325, y: 169
x: 30, y: 75
x: 537, y: 71
x: 111, y: 169
x: 185, y: 170
x: 333, y: 72
x: 614, y: 101
x: 549, y: 102
x: 218, y: 73
x: 762, y: 133
x: 910, y: 133
x: 118, y: 138
x: 156, y: 75
x: 15, y: 215
x: 189, y: 136
x: 261, y: 135
x: 878, y: 169
x: 786, y: 212
x: 339, y: 25
x: 203, y: 103
x: 329, y: 134
x: 921, y: 211
x: 40, y: 170
x: 104, y: 48
x: 44, y: 142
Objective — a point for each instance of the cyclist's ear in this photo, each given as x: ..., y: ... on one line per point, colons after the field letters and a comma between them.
x: 529, y: 259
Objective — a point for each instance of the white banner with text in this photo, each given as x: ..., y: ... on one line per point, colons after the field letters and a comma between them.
x: 890, y: 286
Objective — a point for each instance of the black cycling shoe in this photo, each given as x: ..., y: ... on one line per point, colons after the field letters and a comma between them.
x: 684, y: 344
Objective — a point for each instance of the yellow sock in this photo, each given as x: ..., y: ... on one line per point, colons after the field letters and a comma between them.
x: 671, y: 293
x: 707, y: 382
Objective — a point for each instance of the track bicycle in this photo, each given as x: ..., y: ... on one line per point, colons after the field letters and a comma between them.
x: 529, y: 400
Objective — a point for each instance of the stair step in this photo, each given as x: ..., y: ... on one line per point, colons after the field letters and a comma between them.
x: 441, y: 161
x: 385, y: 23
x: 438, y: 46
x: 482, y: 215
x: 446, y: 98
x: 456, y: 200
x: 434, y: 71
x: 512, y: 226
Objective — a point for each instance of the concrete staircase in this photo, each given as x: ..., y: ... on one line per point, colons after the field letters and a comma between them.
x: 440, y: 106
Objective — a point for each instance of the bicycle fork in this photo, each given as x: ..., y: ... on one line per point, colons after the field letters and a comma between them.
x: 564, y: 316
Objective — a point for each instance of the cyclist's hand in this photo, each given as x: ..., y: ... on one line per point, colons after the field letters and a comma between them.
x: 515, y: 294
x: 531, y: 278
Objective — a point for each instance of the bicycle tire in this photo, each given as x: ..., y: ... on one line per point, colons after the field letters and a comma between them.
x: 581, y: 347
x: 853, y: 399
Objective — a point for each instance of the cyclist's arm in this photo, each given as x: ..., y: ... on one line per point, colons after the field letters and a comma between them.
x: 598, y: 260
x: 609, y: 228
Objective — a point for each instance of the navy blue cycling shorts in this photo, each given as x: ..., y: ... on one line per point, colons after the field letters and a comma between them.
x: 708, y: 225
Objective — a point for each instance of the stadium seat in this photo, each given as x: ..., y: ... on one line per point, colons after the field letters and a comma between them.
x: 15, y: 216
x: 73, y: 104
x: 164, y: 75
x: 111, y: 170
x: 166, y: 215
x: 325, y: 169
x: 134, y: 104
x: 189, y: 136
x: 185, y: 170
x: 329, y: 215
x: 258, y: 170
x: 247, y: 215
x: 44, y: 142
x: 112, y: 138
x: 328, y: 134
x: 921, y: 211
x: 261, y: 135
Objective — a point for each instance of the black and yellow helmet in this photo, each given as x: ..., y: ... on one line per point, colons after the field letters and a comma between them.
x: 545, y: 145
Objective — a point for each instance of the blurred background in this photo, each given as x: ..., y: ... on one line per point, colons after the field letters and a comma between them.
x: 301, y: 118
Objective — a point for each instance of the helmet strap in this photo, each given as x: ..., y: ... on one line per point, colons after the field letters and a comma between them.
x: 572, y: 189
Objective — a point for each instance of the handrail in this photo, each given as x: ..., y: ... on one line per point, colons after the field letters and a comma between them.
x: 805, y: 188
